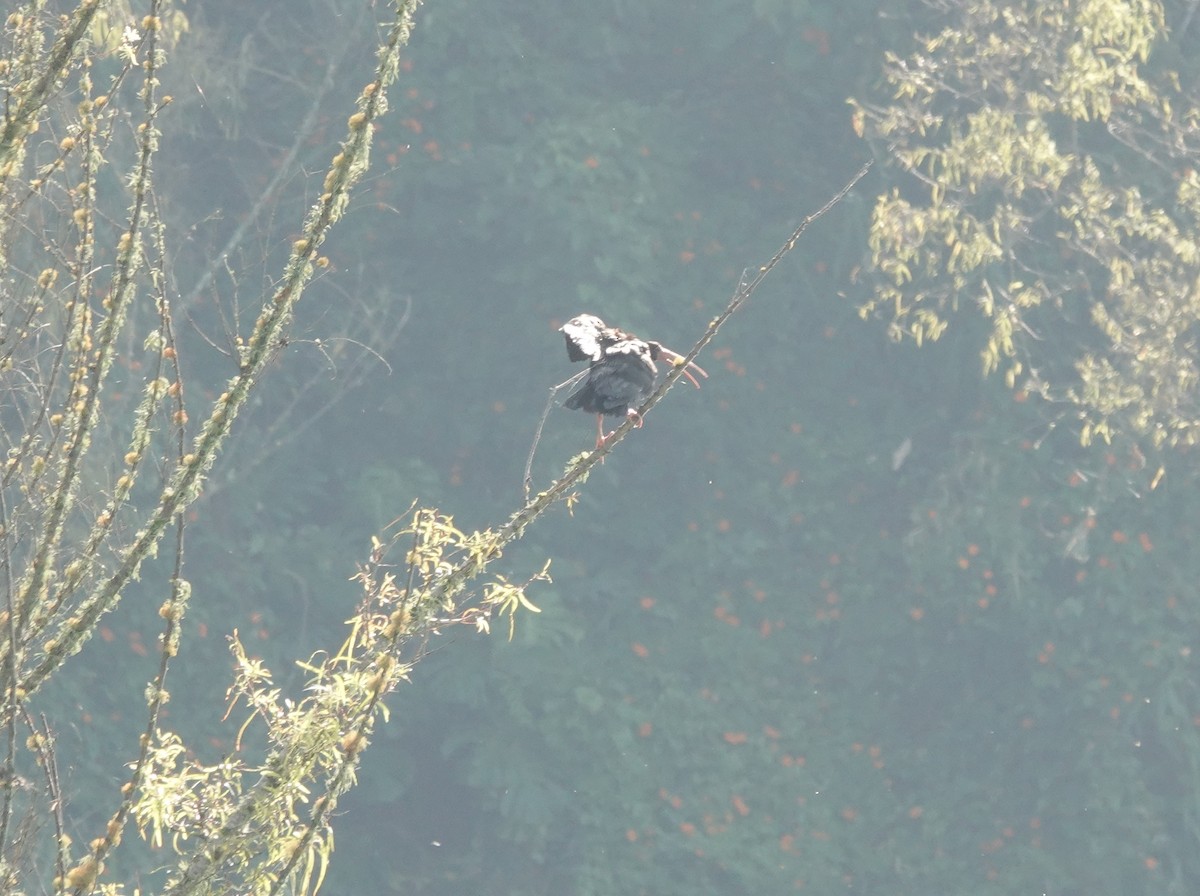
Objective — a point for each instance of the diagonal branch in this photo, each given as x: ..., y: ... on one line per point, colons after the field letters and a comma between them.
x: 745, y: 288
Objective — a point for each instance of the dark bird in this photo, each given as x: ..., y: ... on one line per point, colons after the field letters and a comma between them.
x: 621, y: 372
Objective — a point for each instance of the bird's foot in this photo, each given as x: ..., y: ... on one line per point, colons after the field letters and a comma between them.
x: 602, y: 437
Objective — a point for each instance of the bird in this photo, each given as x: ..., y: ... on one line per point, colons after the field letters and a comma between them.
x: 621, y: 372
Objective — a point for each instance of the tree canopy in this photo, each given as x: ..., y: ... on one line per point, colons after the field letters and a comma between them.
x: 1051, y: 188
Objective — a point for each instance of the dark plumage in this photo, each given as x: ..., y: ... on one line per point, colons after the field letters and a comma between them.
x: 621, y: 373
x: 620, y: 382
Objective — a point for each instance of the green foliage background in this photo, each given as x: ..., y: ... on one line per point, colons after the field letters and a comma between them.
x: 776, y: 655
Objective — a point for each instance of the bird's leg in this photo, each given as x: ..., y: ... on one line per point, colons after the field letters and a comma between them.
x: 602, y: 436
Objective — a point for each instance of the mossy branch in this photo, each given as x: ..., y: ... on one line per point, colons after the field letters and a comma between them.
x: 23, y: 109
x: 345, y: 170
x: 87, y: 390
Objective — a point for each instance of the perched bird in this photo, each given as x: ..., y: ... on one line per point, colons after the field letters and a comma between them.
x: 621, y: 372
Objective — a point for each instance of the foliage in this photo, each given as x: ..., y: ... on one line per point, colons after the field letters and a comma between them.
x: 279, y: 828
x: 1049, y: 188
x: 82, y: 515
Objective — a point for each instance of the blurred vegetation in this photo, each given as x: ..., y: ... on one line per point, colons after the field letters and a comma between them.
x: 851, y: 617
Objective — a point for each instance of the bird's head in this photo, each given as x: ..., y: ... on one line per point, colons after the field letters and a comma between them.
x: 583, y: 333
x: 582, y: 322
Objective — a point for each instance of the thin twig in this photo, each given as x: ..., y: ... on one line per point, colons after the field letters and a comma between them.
x: 283, y: 169
x: 537, y: 436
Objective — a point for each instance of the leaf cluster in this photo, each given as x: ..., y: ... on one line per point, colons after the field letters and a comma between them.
x: 1048, y: 189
